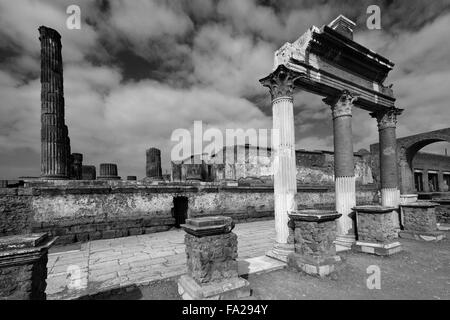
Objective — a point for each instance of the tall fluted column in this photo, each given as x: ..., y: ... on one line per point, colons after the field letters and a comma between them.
x: 281, y: 86
x: 344, y: 171
x: 387, y: 122
x: 54, y: 136
x: 153, y: 164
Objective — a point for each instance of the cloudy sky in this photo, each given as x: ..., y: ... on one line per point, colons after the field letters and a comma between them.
x: 137, y: 70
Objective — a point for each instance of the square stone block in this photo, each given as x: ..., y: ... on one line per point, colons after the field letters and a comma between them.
x: 419, y: 217
x: 229, y: 289
x: 377, y: 248
x: 422, y: 235
x: 318, y: 266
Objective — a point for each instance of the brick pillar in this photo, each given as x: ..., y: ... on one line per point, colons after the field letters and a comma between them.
x: 281, y: 86
x: 153, y: 164
x: 54, y: 133
x: 387, y: 122
x: 344, y: 170
x: 108, y: 171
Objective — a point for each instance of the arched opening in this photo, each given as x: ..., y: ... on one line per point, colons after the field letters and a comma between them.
x: 425, y: 167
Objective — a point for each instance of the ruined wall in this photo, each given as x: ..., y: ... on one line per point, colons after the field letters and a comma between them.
x: 89, y: 210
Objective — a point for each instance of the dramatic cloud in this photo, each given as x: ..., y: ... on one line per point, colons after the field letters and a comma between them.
x: 138, y: 70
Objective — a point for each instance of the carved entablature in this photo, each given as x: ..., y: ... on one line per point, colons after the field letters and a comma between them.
x: 387, y: 119
x: 331, y: 61
x: 342, y: 104
x: 281, y: 82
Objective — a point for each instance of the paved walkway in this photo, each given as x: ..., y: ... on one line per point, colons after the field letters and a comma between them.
x: 102, y: 265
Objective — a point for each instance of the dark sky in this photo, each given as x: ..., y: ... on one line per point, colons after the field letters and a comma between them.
x: 137, y: 70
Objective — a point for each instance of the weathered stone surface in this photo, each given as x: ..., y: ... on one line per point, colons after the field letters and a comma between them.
x: 443, y: 210
x: 89, y: 173
x: 419, y: 221
x: 212, y: 258
x: 376, y: 224
x: 314, y: 235
x: 419, y: 216
x: 68, y: 207
x: 23, y: 266
x: 208, y: 226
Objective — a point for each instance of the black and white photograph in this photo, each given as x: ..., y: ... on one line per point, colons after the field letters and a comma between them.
x: 224, y: 155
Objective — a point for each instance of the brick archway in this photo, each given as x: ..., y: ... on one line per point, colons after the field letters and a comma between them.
x: 407, y: 148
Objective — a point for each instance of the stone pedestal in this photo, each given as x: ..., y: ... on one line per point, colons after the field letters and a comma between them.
x: 211, y: 250
x: 23, y: 266
x: 443, y: 211
x: 108, y: 171
x: 314, y: 235
x: 419, y: 222
x: 131, y: 178
x: 377, y: 231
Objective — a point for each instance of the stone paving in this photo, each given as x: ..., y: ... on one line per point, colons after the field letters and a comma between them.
x: 108, y: 264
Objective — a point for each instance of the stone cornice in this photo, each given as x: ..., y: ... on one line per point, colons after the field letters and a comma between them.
x: 281, y: 82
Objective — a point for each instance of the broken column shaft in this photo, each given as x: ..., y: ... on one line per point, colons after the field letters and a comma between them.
x: 55, y: 143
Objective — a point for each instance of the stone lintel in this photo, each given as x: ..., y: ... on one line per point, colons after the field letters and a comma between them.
x: 420, y: 204
x: 312, y: 215
x: 208, y: 226
x: 373, y: 209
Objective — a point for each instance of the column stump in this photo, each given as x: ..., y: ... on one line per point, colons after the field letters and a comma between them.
x: 377, y: 230
x: 23, y: 266
x: 419, y: 222
x: 211, y: 250
x: 314, y: 236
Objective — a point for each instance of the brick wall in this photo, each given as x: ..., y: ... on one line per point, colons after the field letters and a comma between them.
x: 89, y: 210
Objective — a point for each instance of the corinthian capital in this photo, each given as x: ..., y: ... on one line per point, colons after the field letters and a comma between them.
x: 387, y: 119
x: 281, y: 82
x: 341, y: 105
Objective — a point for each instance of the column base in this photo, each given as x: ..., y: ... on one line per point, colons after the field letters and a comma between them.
x: 422, y: 235
x: 316, y: 267
x: 227, y: 289
x: 344, y: 242
x: 280, y: 251
x: 379, y: 249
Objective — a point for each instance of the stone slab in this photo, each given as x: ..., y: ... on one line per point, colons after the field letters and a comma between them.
x: 208, y: 226
x: 420, y: 204
x: 307, y: 265
x: 230, y: 289
x: 258, y: 265
x: 373, y: 209
x: 313, y: 215
x: 378, y: 248
x: 22, y: 241
x: 422, y: 236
